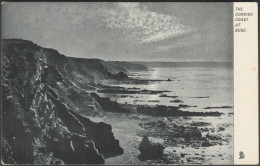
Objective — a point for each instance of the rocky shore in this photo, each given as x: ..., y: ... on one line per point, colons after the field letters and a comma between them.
x: 43, y: 99
x: 55, y: 111
x: 184, y: 140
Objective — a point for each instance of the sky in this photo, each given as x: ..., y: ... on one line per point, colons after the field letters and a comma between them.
x: 144, y: 31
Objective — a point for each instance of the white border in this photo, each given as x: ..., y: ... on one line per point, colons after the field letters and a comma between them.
x: 246, y: 136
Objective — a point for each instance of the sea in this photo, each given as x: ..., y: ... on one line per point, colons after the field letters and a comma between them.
x: 202, y: 87
x: 194, y: 86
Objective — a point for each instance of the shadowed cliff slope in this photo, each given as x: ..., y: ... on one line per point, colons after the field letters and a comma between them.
x: 45, y: 101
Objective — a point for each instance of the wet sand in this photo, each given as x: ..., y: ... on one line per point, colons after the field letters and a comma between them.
x: 127, y: 129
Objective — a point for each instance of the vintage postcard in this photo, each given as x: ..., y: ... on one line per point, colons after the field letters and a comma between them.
x: 129, y: 83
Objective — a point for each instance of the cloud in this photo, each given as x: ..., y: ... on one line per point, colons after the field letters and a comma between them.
x: 191, y: 39
x: 141, y: 25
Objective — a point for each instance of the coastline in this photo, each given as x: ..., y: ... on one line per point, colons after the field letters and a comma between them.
x: 127, y: 128
x: 66, y: 105
x: 209, y: 129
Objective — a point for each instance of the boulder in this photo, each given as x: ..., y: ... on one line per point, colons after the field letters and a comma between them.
x: 150, y: 150
x: 206, y: 144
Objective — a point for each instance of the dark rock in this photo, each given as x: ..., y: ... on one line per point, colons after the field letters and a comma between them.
x: 191, y: 132
x: 212, y: 130
x: 108, y: 105
x: 185, y: 106
x: 153, y: 101
x: 185, y: 117
x: 200, y: 97
x: 221, y: 129
x: 149, y: 150
x: 176, y: 101
x: 75, y: 150
x: 213, y: 137
x: 205, y: 129
x: 125, y: 91
x: 121, y: 75
x: 164, y: 95
x: 200, y: 124
x: 7, y: 154
x: 40, y: 122
x: 138, y: 101
x: 218, y: 107
x: 206, y: 144
x: 161, y: 111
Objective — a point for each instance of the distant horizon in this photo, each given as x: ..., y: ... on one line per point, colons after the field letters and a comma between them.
x: 184, y: 61
x: 156, y: 61
x: 132, y: 61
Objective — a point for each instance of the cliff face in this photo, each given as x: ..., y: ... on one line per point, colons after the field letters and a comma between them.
x: 45, y: 96
x: 127, y: 66
x: 101, y: 69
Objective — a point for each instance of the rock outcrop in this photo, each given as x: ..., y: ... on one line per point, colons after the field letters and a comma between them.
x: 166, y: 111
x: 101, y: 69
x: 150, y: 150
x: 44, y: 102
x: 108, y: 105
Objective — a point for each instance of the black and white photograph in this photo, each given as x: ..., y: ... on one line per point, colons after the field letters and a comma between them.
x: 117, y: 83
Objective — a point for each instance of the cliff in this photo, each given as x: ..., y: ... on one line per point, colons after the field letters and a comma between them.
x: 101, y: 69
x: 45, y: 100
x: 115, y: 66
